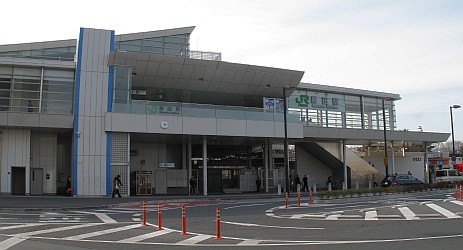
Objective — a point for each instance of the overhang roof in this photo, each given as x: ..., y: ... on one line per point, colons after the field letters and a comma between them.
x: 192, y: 80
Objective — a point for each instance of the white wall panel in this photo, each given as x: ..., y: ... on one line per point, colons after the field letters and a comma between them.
x: 231, y: 127
x: 93, y: 106
x: 15, y: 152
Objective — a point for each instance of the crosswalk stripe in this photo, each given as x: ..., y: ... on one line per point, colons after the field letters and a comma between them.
x: 53, y: 230
x: 250, y: 242
x: 457, y: 202
x: 20, y: 226
x: 11, y: 242
x: 408, y: 214
x: 334, y: 216
x: 102, y: 216
x: 443, y: 211
x: 371, y: 215
x: 194, y: 240
x: 107, y: 231
x: 145, y: 236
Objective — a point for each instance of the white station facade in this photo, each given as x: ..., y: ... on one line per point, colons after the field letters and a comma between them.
x: 146, y: 107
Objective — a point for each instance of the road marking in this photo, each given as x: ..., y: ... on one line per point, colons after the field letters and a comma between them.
x: 193, y: 240
x: 107, y: 231
x: 457, y: 202
x: 103, y: 217
x: 334, y: 216
x: 11, y: 242
x: 145, y: 236
x: 371, y: 215
x: 20, y: 226
x: 53, y: 230
x: 248, y: 205
x: 250, y: 242
x: 443, y: 211
x: 407, y: 213
x: 257, y: 225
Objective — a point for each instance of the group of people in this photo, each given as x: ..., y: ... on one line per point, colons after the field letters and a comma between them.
x: 304, y: 185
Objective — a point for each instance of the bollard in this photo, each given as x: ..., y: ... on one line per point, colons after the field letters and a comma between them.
x: 286, y: 199
x: 144, y: 213
x: 298, y: 199
x: 461, y: 194
x: 217, y: 224
x: 159, y: 216
x: 456, y: 192
x: 184, y: 220
x: 310, y: 197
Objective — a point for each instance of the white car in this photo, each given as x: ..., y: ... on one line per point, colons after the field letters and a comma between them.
x: 449, y: 175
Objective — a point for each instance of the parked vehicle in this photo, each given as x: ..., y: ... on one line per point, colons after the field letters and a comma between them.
x: 449, y: 175
x: 400, y: 180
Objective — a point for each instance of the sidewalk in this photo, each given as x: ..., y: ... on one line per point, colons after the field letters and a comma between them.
x: 12, y: 203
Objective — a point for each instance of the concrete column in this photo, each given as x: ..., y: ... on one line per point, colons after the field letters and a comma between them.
x: 204, y: 165
x: 266, y: 161
x: 343, y: 152
x: 190, y: 169
x: 392, y: 157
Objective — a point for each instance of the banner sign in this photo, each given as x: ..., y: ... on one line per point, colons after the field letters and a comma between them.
x: 273, y: 105
x: 317, y: 101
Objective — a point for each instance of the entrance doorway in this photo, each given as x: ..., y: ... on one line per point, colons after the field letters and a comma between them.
x: 18, y: 180
x: 36, y: 181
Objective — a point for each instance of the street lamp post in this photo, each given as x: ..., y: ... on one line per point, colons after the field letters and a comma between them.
x: 455, y: 106
x: 386, y: 164
x: 286, y: 158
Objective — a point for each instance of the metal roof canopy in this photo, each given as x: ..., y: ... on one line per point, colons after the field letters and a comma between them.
x: 177, y: 79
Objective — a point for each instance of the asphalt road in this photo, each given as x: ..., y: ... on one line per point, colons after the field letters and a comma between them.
x: 415, y: 221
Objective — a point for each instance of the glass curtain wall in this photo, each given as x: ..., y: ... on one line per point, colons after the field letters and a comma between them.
x: 342, y: 111
x: 27, y: 89
x: 178, y: 45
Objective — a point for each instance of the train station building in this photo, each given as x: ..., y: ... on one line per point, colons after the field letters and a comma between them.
x: 146, y: 107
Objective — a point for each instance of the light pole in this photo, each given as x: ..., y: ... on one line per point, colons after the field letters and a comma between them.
x: 286, y: 163
x: 386, y: 164
x: 455, y: 106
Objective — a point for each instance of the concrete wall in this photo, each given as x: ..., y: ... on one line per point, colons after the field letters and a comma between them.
x: 44, y: 156
x: 16, y: 151
x: 119, y: 122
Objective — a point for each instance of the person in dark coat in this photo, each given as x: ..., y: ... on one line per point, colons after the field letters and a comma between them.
x: 192, y: 185
x: 305, y: 183
x: 258, y: 183
x: 298, y: 182
x: 69, y: 187
x: 117, y: 184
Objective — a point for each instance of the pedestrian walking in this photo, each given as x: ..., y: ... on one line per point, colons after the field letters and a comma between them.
x: 298, y: 182
x: 117, y: 184
x: 258, y: 183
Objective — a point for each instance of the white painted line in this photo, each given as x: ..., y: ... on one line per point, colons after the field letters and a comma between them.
x: 249, y: 205
x: 334, y: 216
x: 428, y: 215
x: 52, y: 230
x: 116, y: 211
x: 457, y: 202
x: 145, y: 236
x: 249, y: 242
x: 314, y: 216
x: 108, y: 231
x: 193, y: 240
x: 388, y: 216
x: 103, y: 217
x: 349, y: 216
x: 443, y: 211
x: 20, y: 226
x: 257, y: 225
x: 371, y: 215
x: 11, y: 242
x: 408, y: 214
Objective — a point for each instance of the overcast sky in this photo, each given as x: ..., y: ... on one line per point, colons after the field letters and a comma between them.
x: 412, y: 48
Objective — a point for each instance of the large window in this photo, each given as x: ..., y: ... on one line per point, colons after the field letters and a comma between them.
x: 60, y: 54
x: 177, y: 45
x: 27, y: 89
